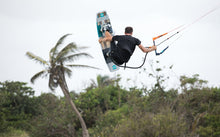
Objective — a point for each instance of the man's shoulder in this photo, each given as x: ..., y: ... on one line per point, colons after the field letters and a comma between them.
x: 125, y: 37
x: 116, y: 37
x: 137, y: 41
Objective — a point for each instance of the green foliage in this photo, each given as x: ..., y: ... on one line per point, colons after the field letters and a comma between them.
x: 209, y: 126
x: 55, y: 119
x: 106, y: 123
x: 165, y: 123
x: 192, y: 82
x: 57, y: 66
x: 17, y: 105
x: 99, y: 99
x: 14, y: 133
x: 191, y: 110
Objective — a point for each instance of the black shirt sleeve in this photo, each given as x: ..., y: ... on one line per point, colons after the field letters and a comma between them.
x: 138, y: 42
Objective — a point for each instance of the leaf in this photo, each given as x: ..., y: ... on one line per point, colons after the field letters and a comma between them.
x: 60, y: 41
x: 36, y: 58
x: 37, y: 75
x: 158, y: 69
x: 67, y: 71
x: 65, y: 51
x: 54, y: 50
x: 74, y: 57
x: 171, y: 67
x: 81, y: 66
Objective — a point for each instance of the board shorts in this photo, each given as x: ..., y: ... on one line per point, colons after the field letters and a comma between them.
x: 117, y: 55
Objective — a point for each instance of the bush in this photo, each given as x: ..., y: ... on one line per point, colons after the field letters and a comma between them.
x: 107, y: 122
x: 165, y: 124
x: 209, y: 126
x: 14, y: 133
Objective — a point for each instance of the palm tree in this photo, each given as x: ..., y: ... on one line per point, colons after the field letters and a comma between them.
x: 56, y: 69
x: 101, y: 81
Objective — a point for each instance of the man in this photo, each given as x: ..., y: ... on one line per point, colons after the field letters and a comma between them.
x: 123, y: 46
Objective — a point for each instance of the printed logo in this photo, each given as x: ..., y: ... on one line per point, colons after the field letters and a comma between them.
x: 114, y: 67
x: 102, y: 15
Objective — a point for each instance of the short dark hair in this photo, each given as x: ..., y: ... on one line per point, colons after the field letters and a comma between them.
x: 128, y: 30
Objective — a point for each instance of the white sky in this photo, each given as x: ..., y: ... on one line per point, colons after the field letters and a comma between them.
x: 36, y: 25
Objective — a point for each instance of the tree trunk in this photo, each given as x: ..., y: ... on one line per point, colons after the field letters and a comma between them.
x: 63, y: 85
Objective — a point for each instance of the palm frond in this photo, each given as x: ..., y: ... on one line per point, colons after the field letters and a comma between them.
x: 60, y: 41
x: 38, y: 75
x: 81, y: 66
x: 68, y: 72
x: 36, y: 58
x: 81, y: 48
x: 54, y: 50
x: 75, y: 57
x: 65, y: 51
x: 70, y: 47
x: 64, y: 70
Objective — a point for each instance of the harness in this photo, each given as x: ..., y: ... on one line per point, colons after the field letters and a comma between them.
x: 117, y: 55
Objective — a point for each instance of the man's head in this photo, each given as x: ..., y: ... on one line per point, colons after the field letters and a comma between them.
x: 128, y: 30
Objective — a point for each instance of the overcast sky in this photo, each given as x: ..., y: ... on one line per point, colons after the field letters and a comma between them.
x: 36, y: 25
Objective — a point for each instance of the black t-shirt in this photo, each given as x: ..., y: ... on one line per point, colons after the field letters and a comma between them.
x: 126, y: 45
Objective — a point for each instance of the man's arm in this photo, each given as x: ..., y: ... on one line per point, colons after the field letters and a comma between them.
x: 145, y: 50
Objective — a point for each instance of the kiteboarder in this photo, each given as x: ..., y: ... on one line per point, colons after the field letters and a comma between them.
x: 123, y: 46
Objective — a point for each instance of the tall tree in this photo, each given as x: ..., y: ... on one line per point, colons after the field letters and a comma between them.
x: 57, y: 68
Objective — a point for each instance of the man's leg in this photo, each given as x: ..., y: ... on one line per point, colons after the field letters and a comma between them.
x: 108, y: 36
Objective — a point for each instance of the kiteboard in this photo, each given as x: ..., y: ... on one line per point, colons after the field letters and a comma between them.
x: 103, y: 22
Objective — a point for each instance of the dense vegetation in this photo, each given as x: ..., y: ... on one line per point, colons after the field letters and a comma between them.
x: 109, y: 110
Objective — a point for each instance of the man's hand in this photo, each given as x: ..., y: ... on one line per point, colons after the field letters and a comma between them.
x: 154, y: 47
x: 100, y: 40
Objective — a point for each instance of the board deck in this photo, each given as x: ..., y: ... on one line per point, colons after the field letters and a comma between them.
x: 103, y: 20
